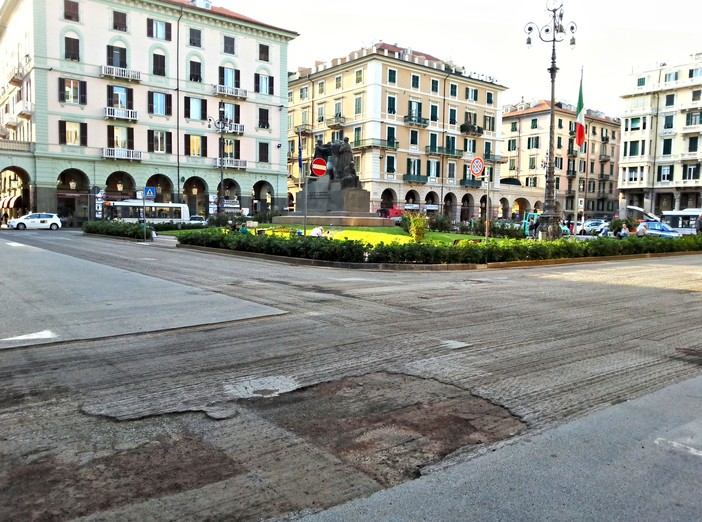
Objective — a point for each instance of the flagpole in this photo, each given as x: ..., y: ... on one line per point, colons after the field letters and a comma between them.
x: 579, y: 140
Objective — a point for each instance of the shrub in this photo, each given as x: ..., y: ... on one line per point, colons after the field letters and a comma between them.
x: 440, y: 223
x: 418, y: 227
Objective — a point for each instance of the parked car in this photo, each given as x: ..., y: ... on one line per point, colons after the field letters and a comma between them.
x: 657, y: 229
x: 36, y: 220
x: 197, y: 220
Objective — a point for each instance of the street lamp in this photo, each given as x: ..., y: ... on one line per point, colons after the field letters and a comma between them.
x: 554, y: 31
x: 221, y: 125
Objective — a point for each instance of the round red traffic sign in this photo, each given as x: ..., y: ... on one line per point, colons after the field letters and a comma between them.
x: 319, y: 167
x: 476, y: 166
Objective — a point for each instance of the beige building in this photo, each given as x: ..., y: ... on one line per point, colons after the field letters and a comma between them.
x: 585, y: 177
x: 102, y: 98
x: 661, y: 131
x: 414, y: 122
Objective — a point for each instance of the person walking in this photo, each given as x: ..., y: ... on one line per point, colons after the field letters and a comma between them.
x: 698, y: 225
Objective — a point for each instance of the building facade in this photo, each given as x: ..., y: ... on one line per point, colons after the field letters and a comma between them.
x: 103, y: 98
x: 661, y: 132
x: 585, y: 177
x: 414, y: 123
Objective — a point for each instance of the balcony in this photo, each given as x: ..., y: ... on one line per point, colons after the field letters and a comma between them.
x: 572, y: 153
x: 373, y: 143
x: 305, y: 128
x: 605, y: 157
x: 11, y: 122
x: 571, y: 173
x: 119, y: 113
x: 25, y: 110
x: 416, y: 120
x: 234, y: 128
x: 494, y: 158
x: 120, y: 73
x: 602, y: 195
x: 471, y: 129
x: 570, y: 193
x: 20, y: 146
x: 17, y: 76
x: 234, y: 92
x: 443, y: 151
x: 121, y: 154
x: 414, y: 178
x: 692, y: 129
x: 337, y: 122
x: 4, y: 133
x: 231, y: 163
x: 604, y: 177
x: 471, y: 183
x: 605, y: 139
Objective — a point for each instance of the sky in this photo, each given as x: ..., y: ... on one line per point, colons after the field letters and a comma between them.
x: 614, y: 38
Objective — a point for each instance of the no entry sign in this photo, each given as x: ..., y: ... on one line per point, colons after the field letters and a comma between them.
x: 319, y: 167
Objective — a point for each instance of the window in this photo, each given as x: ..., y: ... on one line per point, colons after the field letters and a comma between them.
x: 72, y: 133
x: 534, y: 123
x: 471, y: 94
x: 512, y: 144
x: 304, y: 93
x: 489, y: 123
x: 668, y: 121
x: 634, y: 148
x: 489, y: 98
x: 119, y: 97
x: 263, y: 122
x: 159, y: 103
x: 263, y: 83
x: 471, y: 118
x: 415, y: 81
x: 119, y: 21
x: 665, y: 173
x: 669, y: 100
x: 72, y: 91
x: 593, y: 130
x: 414, y: 137
x: 195, y: 108
x: 72, y: 50
x: 320, y: 113
x: 195, y: 71
x: 434, y: 112
x: 512, y: 164
x: 667, y: 147
x: 453, y: 90
x: 392, y: 76
x: 320, y: 87
x: 452, y: 170
x: 390, y: 164
x: 640, y: 82
x: 263, y: 152
x: 432, y: 168
x: 635, y: 124
x: 229, y: 77
x: 696, y: 95
x: 532, y: 162
x: 392, y: 105
x: 671, y: 77
x: 157, y: 29
x: 693, y: 118
x: 471, y: 145
x: 695, y: 73
x: 533, y: 142
x: 338, y: 106
x: 120, y: 137
x: 195, y: 145
x: 558, y: 163
x: 692, y: 144
x: 70, y: 10
x: 232, y: 111
x: 116, y: 56
x: 195, y: 37
x: 559, y: 142
x: 159, y: 64
x: 337, y: 82
x: 434, y: 85
x: 453, y: 116
x: 560, y: 123
x: 691, y: 172
x: 263, y: 52
x: 229, y: 45
x: 358, y: 105
x: 359, y: 76
x: 414, y: 167
x: 390, y: 136
x: 159, y: 141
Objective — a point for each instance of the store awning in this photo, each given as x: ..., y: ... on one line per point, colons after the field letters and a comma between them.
x: 9, y: 202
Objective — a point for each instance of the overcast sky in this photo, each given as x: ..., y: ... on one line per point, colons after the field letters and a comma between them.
x: 613, y: 38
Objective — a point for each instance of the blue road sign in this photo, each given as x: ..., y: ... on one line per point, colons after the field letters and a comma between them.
x: 149, y: 192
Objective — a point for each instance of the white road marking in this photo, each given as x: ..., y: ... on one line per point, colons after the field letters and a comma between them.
x: 15, y: 244
x: 679, y: 446
x: 261, y: 387
x: 44, y: 334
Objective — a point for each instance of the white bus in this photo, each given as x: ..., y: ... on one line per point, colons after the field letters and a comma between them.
x: 682, y: 220
x: 132, y: 210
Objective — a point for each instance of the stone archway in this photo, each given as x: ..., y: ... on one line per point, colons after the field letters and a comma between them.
x: 73, y: 197
x: 388, y: 198
x: 468, y: 208
x: 163, y: 186
x: 195, y: 195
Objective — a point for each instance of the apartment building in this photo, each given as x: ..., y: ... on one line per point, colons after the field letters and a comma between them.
x: 661, y: 130
x: 102, y: 98
x: 414, y: 122
x: 585, y: 177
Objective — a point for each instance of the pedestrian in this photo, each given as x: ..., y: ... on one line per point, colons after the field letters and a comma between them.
x: 642, y: 230
x: 624, y: 232
x: 698, y: 225
x: 532, y: 227
x: 317, y: 232
x: 5, y: 216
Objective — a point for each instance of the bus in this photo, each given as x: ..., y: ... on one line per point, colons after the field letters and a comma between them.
x: 132, y: 210
x: 682, y: 220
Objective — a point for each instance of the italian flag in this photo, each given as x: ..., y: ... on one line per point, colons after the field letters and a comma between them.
x: 580, y: 117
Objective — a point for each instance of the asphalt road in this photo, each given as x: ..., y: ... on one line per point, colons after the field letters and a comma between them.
x: 108, y: 345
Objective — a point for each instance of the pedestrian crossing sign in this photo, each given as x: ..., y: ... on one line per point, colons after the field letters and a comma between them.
x: 149, y: 192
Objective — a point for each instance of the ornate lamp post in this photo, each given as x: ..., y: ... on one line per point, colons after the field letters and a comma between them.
x: 221, y: 125
x: 554, y: 31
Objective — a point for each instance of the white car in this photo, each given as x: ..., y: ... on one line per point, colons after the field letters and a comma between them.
x: 198, y: 220
x: 36, y: 220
